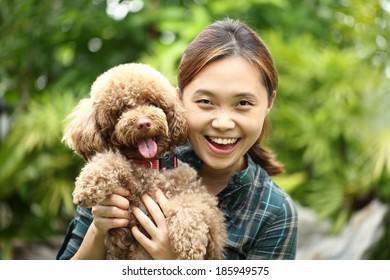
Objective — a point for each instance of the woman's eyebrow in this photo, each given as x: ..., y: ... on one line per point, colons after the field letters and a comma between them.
x: 249, y: 95
x: 238, y: 95
x: 203, y: 91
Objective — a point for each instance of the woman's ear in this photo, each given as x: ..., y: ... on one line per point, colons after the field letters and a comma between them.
x: 271, y: 100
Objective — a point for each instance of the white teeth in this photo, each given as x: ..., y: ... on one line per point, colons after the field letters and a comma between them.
x: 224, y: 141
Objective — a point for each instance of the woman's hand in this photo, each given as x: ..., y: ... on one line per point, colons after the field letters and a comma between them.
x: 112, y: 212
x: 157, y: 245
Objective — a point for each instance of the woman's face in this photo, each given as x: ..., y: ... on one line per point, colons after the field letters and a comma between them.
x: 226, y: 105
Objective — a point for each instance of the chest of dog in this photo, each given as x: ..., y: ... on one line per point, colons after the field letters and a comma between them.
x: 171, y: 181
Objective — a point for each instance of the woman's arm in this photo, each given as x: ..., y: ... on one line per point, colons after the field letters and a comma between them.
x: 92, y: 246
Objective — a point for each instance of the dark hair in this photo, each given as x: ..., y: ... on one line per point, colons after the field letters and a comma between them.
x: 228, y: 38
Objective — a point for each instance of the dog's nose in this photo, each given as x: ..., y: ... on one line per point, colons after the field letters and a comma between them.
x: 144, y: 125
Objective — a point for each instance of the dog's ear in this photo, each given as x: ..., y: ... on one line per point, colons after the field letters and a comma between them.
x: 82, y: 133
x: 177, y: 125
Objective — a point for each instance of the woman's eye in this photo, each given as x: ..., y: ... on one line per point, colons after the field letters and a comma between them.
x: 244, y: 103
x: 204, y: 102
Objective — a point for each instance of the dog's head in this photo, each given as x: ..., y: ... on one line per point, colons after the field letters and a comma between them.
x: 133, y: 109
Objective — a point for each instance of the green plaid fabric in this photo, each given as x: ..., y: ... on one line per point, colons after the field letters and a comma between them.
x: 261, y: 218
x: 75, y: 234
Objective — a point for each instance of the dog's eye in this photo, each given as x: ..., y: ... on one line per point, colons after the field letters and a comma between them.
x: 153, y: 104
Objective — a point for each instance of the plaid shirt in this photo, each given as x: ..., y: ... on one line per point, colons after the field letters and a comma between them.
x: 262, y: 220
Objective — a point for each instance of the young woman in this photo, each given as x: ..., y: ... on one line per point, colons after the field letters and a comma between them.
x: 227, y: 82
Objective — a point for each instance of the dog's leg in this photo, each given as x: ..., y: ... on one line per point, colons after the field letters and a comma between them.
x: 119, y: 242
x: 99, y: 178
x: 217, y: 233
x: 191, y: 219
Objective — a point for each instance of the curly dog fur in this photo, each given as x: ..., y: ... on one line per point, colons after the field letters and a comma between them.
x: 133, y: 113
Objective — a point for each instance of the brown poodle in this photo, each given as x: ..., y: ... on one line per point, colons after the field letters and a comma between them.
x: 127, y: 131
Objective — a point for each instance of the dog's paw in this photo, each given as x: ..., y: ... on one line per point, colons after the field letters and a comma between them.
x: 97, y: 180
x: 88, y: 194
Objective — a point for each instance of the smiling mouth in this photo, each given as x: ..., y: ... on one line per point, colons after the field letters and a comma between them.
x: 222, y: 143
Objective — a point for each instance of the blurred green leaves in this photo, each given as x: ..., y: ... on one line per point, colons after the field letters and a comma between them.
x: 331, y: 115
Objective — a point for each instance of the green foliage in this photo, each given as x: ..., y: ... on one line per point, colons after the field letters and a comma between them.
x: 332, y: 114
x: 330, y: 121
x: 37, y: 172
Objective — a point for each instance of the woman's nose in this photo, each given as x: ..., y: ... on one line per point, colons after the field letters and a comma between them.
x: 223, y: 121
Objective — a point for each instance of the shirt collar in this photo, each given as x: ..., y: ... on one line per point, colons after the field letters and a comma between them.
x: 238, y: 188
x: 187, y: 154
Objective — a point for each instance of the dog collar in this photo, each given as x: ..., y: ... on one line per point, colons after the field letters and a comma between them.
x: 166, y: 162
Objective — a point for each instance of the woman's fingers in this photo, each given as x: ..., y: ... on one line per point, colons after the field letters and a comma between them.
x: 155, y: 225
x: 117, y: 199
x: 122, y: 191
x: 157, y: 243
x: 142, y: 239
x: 162, y: 201
x: 146, y: 222
x: 112, y: 212
x: 154, y: 209
x: 105, y: 224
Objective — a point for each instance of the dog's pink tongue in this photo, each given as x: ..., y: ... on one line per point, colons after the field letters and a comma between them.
x: 147, y: 147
